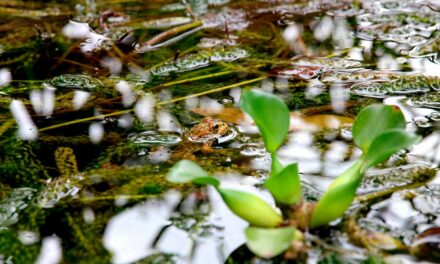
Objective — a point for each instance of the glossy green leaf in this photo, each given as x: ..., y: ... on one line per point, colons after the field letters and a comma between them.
x: 285, y: 186
x: 251, y: 208
x: 386, y: 144
x: 373, y: 120
x: 270, y: 242
x: 206, y: 181
x: 338, y: 196
x: 270, y: 114
x: 276, y: 166
x: 188, y: 171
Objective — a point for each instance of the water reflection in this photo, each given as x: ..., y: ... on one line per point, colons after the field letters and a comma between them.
x: 121, y: 87
x: 177, y: 226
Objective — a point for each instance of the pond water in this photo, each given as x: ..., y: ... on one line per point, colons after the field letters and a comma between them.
x: 99, y: 98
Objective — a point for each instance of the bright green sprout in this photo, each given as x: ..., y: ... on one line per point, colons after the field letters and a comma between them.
x: 379, y: 131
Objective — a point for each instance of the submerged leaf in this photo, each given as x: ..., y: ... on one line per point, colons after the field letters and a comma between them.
x: 251, y: 208
x: 372, y: 121
x: 187, y: 171
x: 270, y: 242
x: 270, y: 114
x: 285, y: 186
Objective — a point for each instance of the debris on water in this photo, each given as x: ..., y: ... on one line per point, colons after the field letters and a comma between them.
x: 76, y: 82
x: 152, y: 138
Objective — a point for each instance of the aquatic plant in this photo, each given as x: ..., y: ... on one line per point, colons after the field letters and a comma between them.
x: 379, y: 131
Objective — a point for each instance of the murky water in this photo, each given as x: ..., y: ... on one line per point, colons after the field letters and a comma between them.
x: 98, y: 99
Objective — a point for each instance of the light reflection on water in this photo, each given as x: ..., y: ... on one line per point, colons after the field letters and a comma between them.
x: 131, y: 234
x: 364, y: 46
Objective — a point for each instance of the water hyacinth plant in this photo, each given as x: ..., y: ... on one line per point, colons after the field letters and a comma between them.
x: 379, y: 131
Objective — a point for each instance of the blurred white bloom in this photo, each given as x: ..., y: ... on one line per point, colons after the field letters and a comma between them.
x: 144, y: 108
x: 26, y: 127
x: 282, y: 84
x: 191, y: 103
x: 342, y: 35
x: 339, y: 95
x: 114, y: 65
x: 88, y: 215
x: 43, y: 101
x: 128, y: 96
x: 79, y: 99
x: 314, y: 88
x: 336, y: 152
x: 51, y: 251
x: 165, y: 95
x: 267, y: 85
x: 167, y: 122
x: 159, y: 155
x: 210, y: 105
x: 291, y: 33
x: 5, y: 77
x: 235, y: 93
x: 125, y: 121
x: 324, y: 29
x: 96, y: 132
x: 76, y: 30
x: 387, y: 62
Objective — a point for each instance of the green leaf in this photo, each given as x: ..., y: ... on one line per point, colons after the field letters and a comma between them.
x: 188, y: 171
x: 285, y: 186
x: 373, y: 120
x: 206, y: 181
x: 338, y: 196
x: 270, y: 114
x: 276, y: 166
x: 270, y: 242
x: 386, y: 144
x: 251, y: 208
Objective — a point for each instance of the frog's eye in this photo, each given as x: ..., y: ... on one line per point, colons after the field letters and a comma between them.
x: 215, y: 126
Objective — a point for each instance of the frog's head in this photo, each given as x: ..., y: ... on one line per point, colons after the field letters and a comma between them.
x: 217, y: 127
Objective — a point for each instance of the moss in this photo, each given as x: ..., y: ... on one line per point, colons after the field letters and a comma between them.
x: 18, y: 164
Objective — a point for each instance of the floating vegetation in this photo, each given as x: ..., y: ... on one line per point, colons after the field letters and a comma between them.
x: 151, y: 138
x: 195, y: 61
x: 76, y: 82
x: 101, y: 100
x: 431, y: 100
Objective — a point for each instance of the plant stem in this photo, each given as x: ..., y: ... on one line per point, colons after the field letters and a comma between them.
x: 117, y: 113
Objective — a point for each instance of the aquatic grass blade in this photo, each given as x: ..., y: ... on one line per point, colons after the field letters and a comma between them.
x: 372, y: 121
x: 386, y: 144
x: 188, y: 171
x: 270, y: 114
x: 338, y: 197
x: 270, y: 242
x: 285, y: 186
x: 251, y: 208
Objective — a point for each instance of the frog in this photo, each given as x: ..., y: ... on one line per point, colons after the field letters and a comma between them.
x: 200, y: 138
